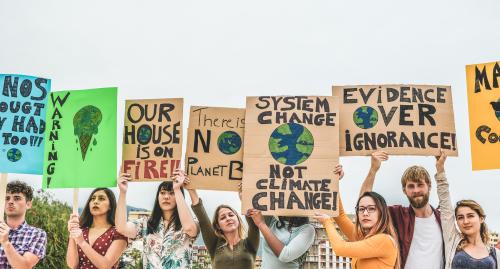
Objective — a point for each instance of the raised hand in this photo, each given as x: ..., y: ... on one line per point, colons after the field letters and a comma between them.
x: 440, y: 160
x: 339, y: 171
x: 321, y: 217
x: 256, y: 216
x: 377, y: 158
x: 123, y: 182
x: 180, y: 179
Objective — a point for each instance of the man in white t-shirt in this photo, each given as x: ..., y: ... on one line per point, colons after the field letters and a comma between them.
x: 418, y: 226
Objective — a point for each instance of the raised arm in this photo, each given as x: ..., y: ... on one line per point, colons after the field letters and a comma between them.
x: 274, y: 243
x: 128, y: 229
x: 188, y: 224
x: 376, y: 160
x: 207, y: 232
x: 445, y: 206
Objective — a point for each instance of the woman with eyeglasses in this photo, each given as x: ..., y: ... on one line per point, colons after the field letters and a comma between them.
x: 372, y: 238
x: 467, y: 246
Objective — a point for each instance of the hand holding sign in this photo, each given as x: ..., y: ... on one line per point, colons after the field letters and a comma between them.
x: 377, y: 158
x: 440, y: 162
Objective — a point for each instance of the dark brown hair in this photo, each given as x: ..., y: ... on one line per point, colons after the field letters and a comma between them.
x: 86, y: 218
x: 20, y: 187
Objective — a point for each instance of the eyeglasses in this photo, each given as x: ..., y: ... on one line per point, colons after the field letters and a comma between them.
x: 369, y: 209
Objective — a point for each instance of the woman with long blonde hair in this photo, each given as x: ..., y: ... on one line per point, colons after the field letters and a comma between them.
x: 372, y: 238
x: 225, y: 238
x: 467, y: 246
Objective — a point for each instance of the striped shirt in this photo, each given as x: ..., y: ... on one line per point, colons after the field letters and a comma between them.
x: 24, y: 239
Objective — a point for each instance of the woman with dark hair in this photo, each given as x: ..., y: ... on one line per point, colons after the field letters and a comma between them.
x: 169, y: 233
x: 225, y: 237
x: 94, y: 241
x: 467, y: 246
x: 287, y: 240
x: 372, y: 238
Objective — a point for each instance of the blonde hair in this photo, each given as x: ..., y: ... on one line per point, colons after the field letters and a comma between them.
x: 215, y: 223
x: 485, y: 237
x: 415, y: 174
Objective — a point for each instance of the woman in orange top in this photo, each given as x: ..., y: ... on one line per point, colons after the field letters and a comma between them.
x: 372, y: 239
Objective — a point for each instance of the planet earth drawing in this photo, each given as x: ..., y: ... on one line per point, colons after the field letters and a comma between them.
x: 144, y: 134
x: 14, y: 155
x: 291, y: 144
x: 365, y: 117
x: 229, y: 142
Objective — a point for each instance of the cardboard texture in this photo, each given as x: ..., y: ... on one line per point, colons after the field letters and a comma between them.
x: 483, y: 94
x: 23, y: 103
x: 399, y: 119
x: 152, y: 138
x: 290, y: 151
x: 214, y: 154
x: 80, y: 141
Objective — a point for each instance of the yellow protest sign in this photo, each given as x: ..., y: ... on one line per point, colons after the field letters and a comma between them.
x: 483, y: 92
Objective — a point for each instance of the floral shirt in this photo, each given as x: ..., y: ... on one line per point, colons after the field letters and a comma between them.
x: 165, y: 249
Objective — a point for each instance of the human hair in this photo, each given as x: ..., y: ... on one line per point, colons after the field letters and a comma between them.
x: 215, y: 223
x: 18, y: 186
x: 382, y: 226
x: 485, y: 237
x: 415, y: 174
x: 86, y: 218
x: 292, y: 222
x: 157, y: 213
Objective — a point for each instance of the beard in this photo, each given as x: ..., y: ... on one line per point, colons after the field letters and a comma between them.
x: 419, y: 203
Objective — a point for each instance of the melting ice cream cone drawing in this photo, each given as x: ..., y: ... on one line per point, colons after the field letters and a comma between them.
x: 86, y: 122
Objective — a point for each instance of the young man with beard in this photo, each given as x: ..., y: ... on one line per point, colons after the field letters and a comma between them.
x: 21, y: 245
x: 418, y: 226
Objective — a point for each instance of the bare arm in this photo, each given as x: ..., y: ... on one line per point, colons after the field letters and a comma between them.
x: 188, y: 224
x: 102, y: 262
x: 376, y: 160
x: 274, y: 243
x: 122, y: 226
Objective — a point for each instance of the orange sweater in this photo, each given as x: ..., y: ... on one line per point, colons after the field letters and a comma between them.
x: 375, y: 252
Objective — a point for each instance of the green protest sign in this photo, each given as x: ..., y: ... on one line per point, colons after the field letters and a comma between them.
x: 80, y: 141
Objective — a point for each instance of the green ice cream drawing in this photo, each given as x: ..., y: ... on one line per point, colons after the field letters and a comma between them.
x: 86, y: 122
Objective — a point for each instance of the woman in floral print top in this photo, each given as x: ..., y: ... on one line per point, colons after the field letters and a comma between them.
x: 169, y: 233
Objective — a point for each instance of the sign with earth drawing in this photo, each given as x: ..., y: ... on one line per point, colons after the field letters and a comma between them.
x: 80, y: 141
x: 152, y: 138
x: 23, y: 102
x: 399, y: 119
x: 291, y: 147
x: 483, y: 91
x: 214, y: 155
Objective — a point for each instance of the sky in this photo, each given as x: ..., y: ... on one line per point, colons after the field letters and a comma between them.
x: 215, y: 53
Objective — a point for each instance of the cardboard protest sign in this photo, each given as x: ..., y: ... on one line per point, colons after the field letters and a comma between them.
x: 214, y: 155
x: 80, y: 140
x: 399, y: 119
x: 152, y: 138
x: 23, y: 102
x: 483, y: 93
x: 290, y: 150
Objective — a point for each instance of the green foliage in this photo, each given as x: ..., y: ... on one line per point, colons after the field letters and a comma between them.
x: 131, y: 259
x: 51, y: 216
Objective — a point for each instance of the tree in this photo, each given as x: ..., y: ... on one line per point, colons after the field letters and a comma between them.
x: 51, y: 216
